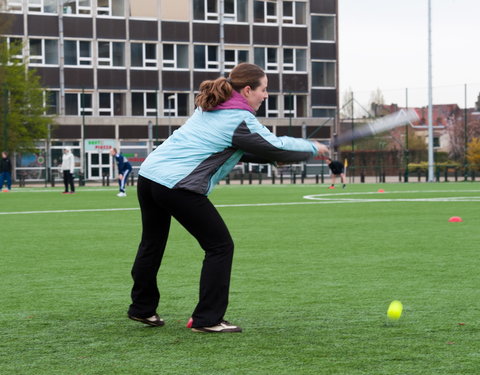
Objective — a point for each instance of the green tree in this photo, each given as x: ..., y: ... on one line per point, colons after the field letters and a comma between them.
x: 22, y: 109
x: 473, y: 153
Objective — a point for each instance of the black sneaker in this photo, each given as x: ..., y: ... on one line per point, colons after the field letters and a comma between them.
x: 154, y: 321
x: 223, y: 326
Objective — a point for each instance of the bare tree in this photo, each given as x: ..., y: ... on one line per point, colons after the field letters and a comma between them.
x: 348, y: 108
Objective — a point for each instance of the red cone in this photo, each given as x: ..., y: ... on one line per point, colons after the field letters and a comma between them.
x: 455, y: 219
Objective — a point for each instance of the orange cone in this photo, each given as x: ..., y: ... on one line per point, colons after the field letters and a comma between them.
x: 381, y: 191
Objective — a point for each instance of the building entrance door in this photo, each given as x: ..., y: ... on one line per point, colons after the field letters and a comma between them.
x: 99, y: 164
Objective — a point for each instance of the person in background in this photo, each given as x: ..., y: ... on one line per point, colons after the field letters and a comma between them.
x: 337, y: 169
x: 175, y: 180
x: 124, y: 169
x: 5, y: 172
x: 68, y: 166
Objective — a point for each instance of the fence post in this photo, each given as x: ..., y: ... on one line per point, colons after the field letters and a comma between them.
x: 456, y: 174
x: 316, y: 178
x: 259, y: 178
x: 273, y: 178
x: 241, y: 179
x: 81, y: 179
x: 250, y: 178
x: 281, y: 178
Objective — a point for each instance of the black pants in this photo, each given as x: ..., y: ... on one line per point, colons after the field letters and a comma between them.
x: 68, y: 180
x: 198, y: 215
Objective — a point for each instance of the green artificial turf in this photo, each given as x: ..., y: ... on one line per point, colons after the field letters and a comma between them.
x: 311, y: 283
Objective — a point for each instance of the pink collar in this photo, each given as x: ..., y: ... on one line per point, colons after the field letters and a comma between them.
x: 236, y: 101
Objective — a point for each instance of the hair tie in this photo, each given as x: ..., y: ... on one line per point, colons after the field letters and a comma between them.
x: 229, y: 80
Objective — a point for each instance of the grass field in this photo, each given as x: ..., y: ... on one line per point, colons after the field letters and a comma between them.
x: 311, y: 284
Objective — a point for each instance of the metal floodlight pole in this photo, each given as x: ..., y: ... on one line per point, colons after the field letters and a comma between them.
x: 157, y: 98
x: 465, y: 137
x: 84, y: 156
x: 430, y: 109
x: 150, y: 136
x: 222, y: 38
x: 406, y: 140
x: 5, y: 117
x: 169, y: 98
x: 290, y: 101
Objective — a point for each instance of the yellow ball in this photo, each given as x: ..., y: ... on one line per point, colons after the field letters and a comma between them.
x: 394, y: 311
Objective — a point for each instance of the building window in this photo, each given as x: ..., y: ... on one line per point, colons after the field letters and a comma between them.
x: 77, y: 7
x: 175, y: 56
x: 51, y: 102
x: 265, y: 12
x: 144, y: 55
x: 42, y: 6
x: 326, y: 112
x: 14, y: 5
x: 235, y: 10
x: 144, y: 104
x: 266, y: 58
x: 295, y: 106
x: 323, y: 74
x: 175, y: 104
x: 206, y: 57
x: 111, y: 53
x: 294, y: 13
x: 77, y: 52
x: 323, y: 28
x: 111, y: 8
x: 15, y: 47
x: 44, y: 51
x: 78, y: 104
x: 294, y: 60
x: 111, y: 104
x: 205, y: 10
x: 234, y: 57
x: 269, y: 107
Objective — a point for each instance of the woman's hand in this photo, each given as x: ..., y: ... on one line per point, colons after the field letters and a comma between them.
x: 321, y: 148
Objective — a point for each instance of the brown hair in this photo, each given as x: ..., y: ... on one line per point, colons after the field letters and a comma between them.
x: 215, y: 92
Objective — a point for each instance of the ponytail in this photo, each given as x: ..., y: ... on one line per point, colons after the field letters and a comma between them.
x: 213, y: 92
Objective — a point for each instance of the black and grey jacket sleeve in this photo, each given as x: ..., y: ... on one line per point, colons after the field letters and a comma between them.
x: 261, y: 145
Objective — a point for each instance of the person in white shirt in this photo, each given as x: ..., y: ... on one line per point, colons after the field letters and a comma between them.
x: 68, y: 165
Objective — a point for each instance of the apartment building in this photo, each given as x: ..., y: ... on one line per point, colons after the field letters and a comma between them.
x: 124, y: 73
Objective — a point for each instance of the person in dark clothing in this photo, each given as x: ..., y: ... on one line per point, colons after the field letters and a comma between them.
x: 5, y: 172
x: 124, y: 169
x: 338, y: 169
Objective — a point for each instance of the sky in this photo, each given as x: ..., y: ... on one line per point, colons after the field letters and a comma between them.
x: 383, y: 44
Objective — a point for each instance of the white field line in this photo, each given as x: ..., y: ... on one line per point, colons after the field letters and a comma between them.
x: 59, y: 190
x: 328, y: 198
